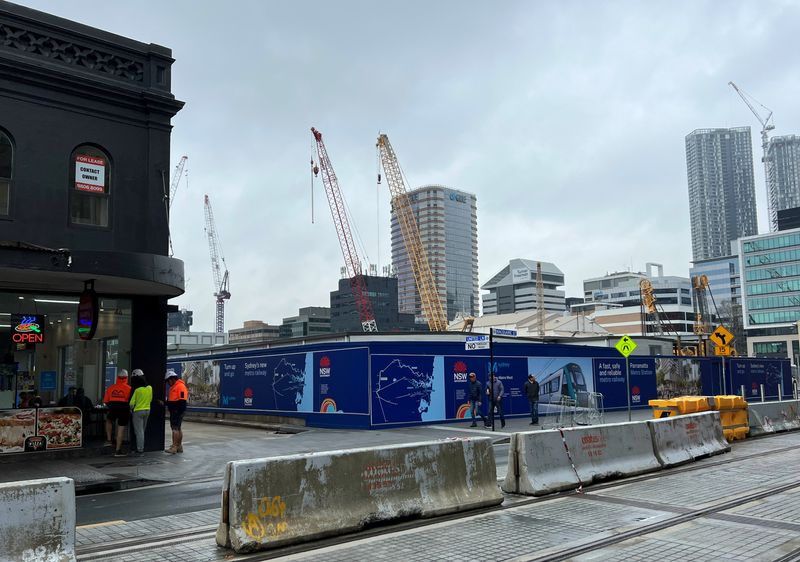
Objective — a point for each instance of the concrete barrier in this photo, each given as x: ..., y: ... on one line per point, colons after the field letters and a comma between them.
x: 771, y: 417
x: 607, y: 451
x: 550, y: 461
x: 284, y: 500
x: 681, y: 439
x: 37, y: 521
x: 538, y: 464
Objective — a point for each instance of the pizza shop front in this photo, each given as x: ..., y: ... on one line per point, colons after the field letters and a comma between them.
x: 52, y: 375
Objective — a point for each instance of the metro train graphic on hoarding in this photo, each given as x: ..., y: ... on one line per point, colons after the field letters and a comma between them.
x: 567, y: 381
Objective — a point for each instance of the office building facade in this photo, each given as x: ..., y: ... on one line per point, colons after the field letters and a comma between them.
x: 448, y: 227
x: 513, y: 288
x: 723, y: 278
x: 310, y: 321
x: 789, y: 218
x: 722, y: 198
x: 620, y: 296
x: 382, y: 292
x: 770, y: 266
x: 783, y: 175
x: 254, y: 331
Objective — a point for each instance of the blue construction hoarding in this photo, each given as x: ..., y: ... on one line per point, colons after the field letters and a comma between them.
x: 385, y: 382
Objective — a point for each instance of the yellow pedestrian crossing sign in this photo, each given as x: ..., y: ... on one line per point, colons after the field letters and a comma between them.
x: 625, y: 345
x: 721, y: 336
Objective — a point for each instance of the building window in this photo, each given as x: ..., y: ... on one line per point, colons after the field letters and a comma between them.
x: 89, y: 186
x: 6, y: 169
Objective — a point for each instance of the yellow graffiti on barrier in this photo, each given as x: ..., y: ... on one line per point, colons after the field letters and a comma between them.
x: 259, y: 526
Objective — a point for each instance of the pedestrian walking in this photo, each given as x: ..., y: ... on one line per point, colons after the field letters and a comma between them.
x: 532, y: 391
x: 475, y: 395
x: 177, y: 399
x: 116, y: 400
x: 496, y: 392
x: 140, y: 406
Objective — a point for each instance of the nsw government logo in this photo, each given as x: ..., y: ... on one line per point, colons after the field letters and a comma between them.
x: 459, y: 371
x: 248, y: 396
x: 636, y: 395
x: 325, y: 366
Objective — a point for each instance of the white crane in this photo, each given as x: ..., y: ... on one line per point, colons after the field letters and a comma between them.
x: 221, y: 280
x: 766, y: 127
x: 170, y: 195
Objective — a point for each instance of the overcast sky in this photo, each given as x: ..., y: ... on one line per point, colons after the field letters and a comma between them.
x: 566, y: 119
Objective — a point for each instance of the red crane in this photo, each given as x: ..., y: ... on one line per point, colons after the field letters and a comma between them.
x: 351, y: 259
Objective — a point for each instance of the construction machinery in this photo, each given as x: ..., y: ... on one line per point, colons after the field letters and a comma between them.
x: 342, y: 224
x: 766, y: 127
x: 652, y: 310
x: 701, y: 312
x: 432, y: 308
x: 221, y: 279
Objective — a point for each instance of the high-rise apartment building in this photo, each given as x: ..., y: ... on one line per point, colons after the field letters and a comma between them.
x: 448, y: 228
x: 722, y: 196
x: 783, y: 175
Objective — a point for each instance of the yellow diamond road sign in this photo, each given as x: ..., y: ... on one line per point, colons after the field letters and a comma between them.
x: 625, y: 345
x: 723, y: 350
x: 721, y: 336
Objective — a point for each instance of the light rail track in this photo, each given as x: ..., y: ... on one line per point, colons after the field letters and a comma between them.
x: 88, y: 553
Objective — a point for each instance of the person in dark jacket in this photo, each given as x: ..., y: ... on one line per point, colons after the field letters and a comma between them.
x: 496, y: 392
x: 475, y: 392
x: 532, y: 391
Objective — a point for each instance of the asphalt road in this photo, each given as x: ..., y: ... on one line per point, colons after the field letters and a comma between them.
x: 171, y: 499
x: 149, y: 501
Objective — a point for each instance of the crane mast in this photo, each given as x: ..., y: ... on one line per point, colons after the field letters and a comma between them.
x: 540, y: 298
x: 766, y: 127
x: 352, y: 262
x: 432, y: 307
x: 176, y: 179
x: 169, y: 195
x: 221, y: 279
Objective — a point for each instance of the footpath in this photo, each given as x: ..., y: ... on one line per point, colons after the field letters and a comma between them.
x: 210, y: 446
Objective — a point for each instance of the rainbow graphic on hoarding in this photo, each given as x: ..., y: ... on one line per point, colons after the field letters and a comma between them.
x: 328, y: 406
x: 462, y: 411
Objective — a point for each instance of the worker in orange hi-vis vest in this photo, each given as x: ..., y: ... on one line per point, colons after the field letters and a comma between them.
x: 116, y: 399
x: 177, y: 399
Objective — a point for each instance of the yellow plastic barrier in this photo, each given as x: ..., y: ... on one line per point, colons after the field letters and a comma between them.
x: 732, y: 411
x: 734, y: 417
x: 679, y: 405
x: 692, y: 404
x: 663, y: 408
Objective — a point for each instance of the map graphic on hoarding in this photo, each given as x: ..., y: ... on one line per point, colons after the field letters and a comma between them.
x: 403, y: 389
x: 288, y: 384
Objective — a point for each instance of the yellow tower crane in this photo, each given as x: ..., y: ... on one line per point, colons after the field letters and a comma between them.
x: 432, y: 307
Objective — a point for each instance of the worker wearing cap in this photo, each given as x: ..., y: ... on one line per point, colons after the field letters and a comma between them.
x: 177, y: 399
x: 116, y: 399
